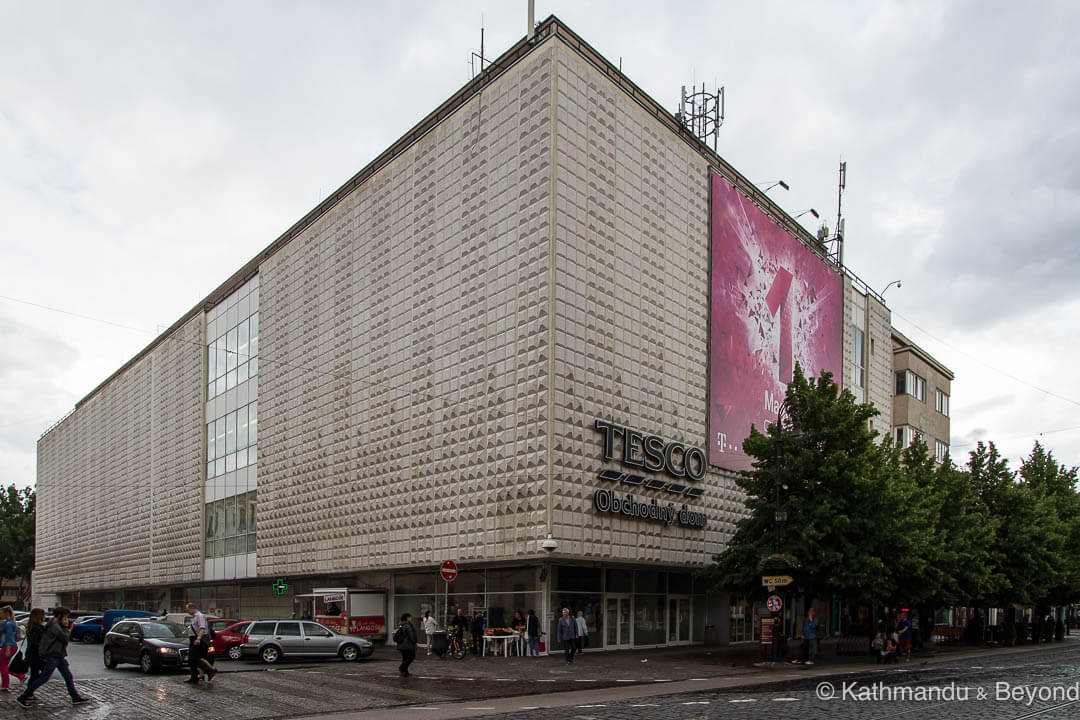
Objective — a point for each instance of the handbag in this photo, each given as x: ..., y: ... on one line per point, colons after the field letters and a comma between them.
x: 17, y: 664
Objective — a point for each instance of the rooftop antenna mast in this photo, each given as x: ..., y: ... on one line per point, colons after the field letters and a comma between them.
x: 839, y: 238
x: 473, y: 57
x: 702, y: 113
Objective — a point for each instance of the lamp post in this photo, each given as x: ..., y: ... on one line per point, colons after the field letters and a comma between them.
x: 780, y: 516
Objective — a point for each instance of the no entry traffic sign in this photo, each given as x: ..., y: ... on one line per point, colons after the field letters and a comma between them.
x: 448, y: 571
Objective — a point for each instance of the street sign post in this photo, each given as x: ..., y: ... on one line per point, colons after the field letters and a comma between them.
x: 448, y: 572
x: 776, y: 580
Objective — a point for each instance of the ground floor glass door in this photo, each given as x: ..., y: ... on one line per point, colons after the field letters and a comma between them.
x: 678, y: 620
x: 618, y: 621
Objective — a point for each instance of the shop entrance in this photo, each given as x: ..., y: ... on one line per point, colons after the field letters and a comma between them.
x: 678, y: 620
x: 618, y: 622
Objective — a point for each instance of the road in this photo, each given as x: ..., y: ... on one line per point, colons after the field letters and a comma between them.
x: 1041, y: 683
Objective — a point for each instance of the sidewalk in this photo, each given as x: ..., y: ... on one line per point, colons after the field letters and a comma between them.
x: 502, y: 685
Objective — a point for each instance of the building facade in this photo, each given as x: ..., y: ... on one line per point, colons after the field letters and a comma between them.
x: 492, y: 346
x: 920, y: 408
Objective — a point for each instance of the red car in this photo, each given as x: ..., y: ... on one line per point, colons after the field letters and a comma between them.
x: 227, y: 640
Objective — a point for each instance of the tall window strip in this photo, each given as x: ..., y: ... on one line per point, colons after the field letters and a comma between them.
x: 232, y: 423
x: 908, y: 383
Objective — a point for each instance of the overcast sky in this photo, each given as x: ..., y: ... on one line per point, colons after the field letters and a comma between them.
x: 149, y: 149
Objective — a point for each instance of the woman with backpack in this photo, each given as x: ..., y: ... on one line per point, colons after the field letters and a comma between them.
x: 54, y: 645
x: 8, y: 647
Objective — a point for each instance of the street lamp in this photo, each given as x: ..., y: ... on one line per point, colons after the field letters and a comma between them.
x: 780, y: 516
x: 783, y: 185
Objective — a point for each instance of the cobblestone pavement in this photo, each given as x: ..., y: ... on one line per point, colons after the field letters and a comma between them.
x: 1013, y: 686
x: 632, y: 684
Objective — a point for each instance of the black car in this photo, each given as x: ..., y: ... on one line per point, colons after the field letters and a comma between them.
x: 150, y: 644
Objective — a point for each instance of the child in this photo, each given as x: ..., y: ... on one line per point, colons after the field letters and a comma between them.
x: 891, y: 652
x: 878, y: 647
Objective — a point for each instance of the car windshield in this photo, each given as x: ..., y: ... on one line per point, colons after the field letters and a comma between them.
x: 163, y: 630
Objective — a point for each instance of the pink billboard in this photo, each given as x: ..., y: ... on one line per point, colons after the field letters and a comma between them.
x: 774, y: 303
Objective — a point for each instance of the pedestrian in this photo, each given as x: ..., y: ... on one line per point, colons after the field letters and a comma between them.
x: 532, y: 633
x: 35, y: 629
x: 429, y: 626
x: 405, y: 638
x: 8, y: 647
x: 567, y: 634
x: 903, y: 636
x: 459, y: 623
x: 477, y: 629
x: 199, y: 648
x: 809, y: 637
x: 877, y: 647
x: 582, y: 631
x: 54, y: 644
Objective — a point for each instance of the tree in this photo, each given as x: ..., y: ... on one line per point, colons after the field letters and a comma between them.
x: 841, y: 500
x: 17, y: 538
x: 1044, y: 476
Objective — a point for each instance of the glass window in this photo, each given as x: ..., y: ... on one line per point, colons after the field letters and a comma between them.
x: 210, y: 435
x: 941, y: 402
x: 649, y: 581
x: 253, y: 424
x: 252, y: 451
x: 242, y: 341
x: 941, y: 451
x: 230, y: 432
x: 209, y: 521
x: 620, y: 581
x: 511, y: 580
x: 242, y: 514
x: 580, y: 579
x: 242, y: 428
x: 211, y: 362
x: 858, y: 356
x: 253, y: 367
x: 415, y: 583
x: 261, y: 628
x: 230, y: 347
x: 679, y: 583
x: 315, y: 630
x: 241, y: 372
x: 219, y: 518
x: 251, y: 513
x: 230, y: 516
x: 221, y: 357
x: 253, y: 335
x: 220, y: 385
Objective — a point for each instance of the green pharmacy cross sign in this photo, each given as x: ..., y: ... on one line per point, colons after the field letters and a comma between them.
x: 280, y: 586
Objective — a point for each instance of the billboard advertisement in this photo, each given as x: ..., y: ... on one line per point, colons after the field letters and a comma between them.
x: 774, y: 303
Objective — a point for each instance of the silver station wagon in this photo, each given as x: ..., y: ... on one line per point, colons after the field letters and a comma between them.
x: 274, y: 640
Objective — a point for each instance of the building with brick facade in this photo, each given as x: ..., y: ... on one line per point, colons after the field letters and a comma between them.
x: 491, y: 345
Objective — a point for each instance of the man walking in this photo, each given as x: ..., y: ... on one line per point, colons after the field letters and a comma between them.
x: 532, y: 632
x: 405, y: 638
x: 567, y: 634
x: 903, y: 636
x: 54, y: 644
x: 199, y: 647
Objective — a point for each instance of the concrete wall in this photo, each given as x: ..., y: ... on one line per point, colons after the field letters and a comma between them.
x: 119, y: 502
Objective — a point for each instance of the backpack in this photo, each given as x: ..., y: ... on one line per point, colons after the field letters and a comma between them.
x: 399, y: 634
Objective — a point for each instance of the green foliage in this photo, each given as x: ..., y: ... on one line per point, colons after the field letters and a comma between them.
x: 871, y: 523
x: 17, y: 537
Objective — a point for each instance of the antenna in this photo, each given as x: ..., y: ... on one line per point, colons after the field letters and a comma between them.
x: 473, y: 57
x: 838, y: 252
x: 702, y: 113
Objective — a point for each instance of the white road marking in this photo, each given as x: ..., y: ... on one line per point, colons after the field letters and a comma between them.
x: 743, y: 701
x: 696, y: 702
x: 586, y: 680
x: 785, y: 699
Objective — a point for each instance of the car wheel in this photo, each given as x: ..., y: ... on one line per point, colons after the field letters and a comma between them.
x: 110, y: 661
x: 235, y: 652
x: 270, y: 654
x: 89, y: 638
x: 146, y: 663
x: 349, y: 653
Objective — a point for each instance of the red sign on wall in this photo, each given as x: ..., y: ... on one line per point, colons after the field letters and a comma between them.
x: 373, y: 625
